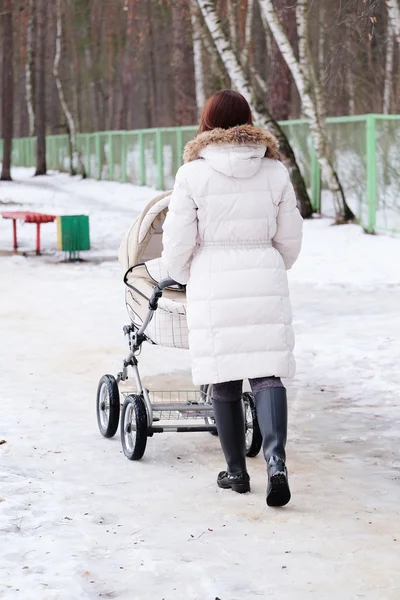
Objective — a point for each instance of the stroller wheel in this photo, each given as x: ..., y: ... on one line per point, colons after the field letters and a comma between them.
x: 107, y: 406
x: 253, y: 433
x: 206, y: 390
x: 134, y: 427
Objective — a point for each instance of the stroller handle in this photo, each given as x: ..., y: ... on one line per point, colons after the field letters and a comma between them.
x: 158, y: 291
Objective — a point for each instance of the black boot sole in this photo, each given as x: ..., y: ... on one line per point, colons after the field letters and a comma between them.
x: 239, y: 488
x: 278, y: 493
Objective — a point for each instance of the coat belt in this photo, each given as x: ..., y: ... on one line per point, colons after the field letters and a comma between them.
x: 237, y: 244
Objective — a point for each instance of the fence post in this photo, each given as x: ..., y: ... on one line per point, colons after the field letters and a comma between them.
x: 179, y: 146
x: 315, y: 182
x: 110, y: 157
x: 48, y: 153
x: 159, y: 158
x: 58, y: 151
x: 88, y: 154
x: 98, y: 156
x: 371, y: 173
x: 142, y: 164
x: 123, y: 157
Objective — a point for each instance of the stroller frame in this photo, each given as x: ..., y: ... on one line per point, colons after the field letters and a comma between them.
x: 137, y: 416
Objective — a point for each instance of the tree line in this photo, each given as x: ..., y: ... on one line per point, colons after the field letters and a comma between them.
x: 86, y: 65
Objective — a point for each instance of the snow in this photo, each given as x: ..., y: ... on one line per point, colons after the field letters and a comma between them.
x: 78, y: 520
x: 345, y: 255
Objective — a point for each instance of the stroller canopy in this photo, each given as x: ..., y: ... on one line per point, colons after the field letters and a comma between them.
x: 143, y: 241
x: 140, y: 254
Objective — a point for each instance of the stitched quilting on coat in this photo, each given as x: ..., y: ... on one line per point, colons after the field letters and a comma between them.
x: 231, y: 233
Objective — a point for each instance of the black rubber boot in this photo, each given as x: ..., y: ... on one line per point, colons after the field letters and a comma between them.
x: 271, y: 406
x: 229, y: 417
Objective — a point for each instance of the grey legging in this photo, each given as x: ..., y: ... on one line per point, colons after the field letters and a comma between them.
x: 231, y: 391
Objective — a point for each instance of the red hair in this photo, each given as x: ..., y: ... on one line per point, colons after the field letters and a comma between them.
x: 225, y: 109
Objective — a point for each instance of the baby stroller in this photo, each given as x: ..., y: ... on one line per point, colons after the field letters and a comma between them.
x: 156, y: 306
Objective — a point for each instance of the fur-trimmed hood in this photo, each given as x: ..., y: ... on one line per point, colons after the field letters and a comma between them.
x: 241, y: 135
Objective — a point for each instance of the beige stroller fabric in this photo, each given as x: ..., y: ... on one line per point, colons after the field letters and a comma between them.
x: 140, y: 251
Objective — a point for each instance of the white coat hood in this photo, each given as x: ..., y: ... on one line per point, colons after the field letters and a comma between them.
x: 234, y: 161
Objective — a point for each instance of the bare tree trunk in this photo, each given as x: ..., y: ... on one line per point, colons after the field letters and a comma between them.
x: 321, y: 40
x: 41, y: 166
x: 182, y: 64
x: 75, y: 70
x: 232, y: 24
x: 260, y: 111
x: 75, y: 161
x: 198, y: 58
x: 7, y: 89
x: 244, y: 59
x: 152, y: 112
x: 127, y: 70
x: 95, y: 109
x: 311, y: 95
x: 351, y: 90
x: 350, y: 71
x: 30, y: 66
x: 388, y: 86
x: 248, y: 31
x: 393, y: 8
x: 280, y: 80
x: 23, y: 129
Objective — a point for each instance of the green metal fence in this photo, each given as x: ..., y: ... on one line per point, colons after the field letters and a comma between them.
x: 365, y: 153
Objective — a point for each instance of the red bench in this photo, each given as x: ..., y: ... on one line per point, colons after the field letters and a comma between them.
x: 28, y: 217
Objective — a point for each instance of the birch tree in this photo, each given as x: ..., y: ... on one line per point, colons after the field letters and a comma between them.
x: 350, y: 83
x: 388, y: 86
x: 75, y: 162
x: 198, y: 58
x: 303, y: 73
x: 393, y: 8
x: 260, y: 112
x: 7, y: 89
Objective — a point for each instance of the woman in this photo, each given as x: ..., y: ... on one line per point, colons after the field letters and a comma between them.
x: 232, y: 232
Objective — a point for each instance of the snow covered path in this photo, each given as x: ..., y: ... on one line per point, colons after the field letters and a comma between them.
x: 79, y: 521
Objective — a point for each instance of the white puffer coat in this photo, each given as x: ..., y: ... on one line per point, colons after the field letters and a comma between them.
x: 232, y: 231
